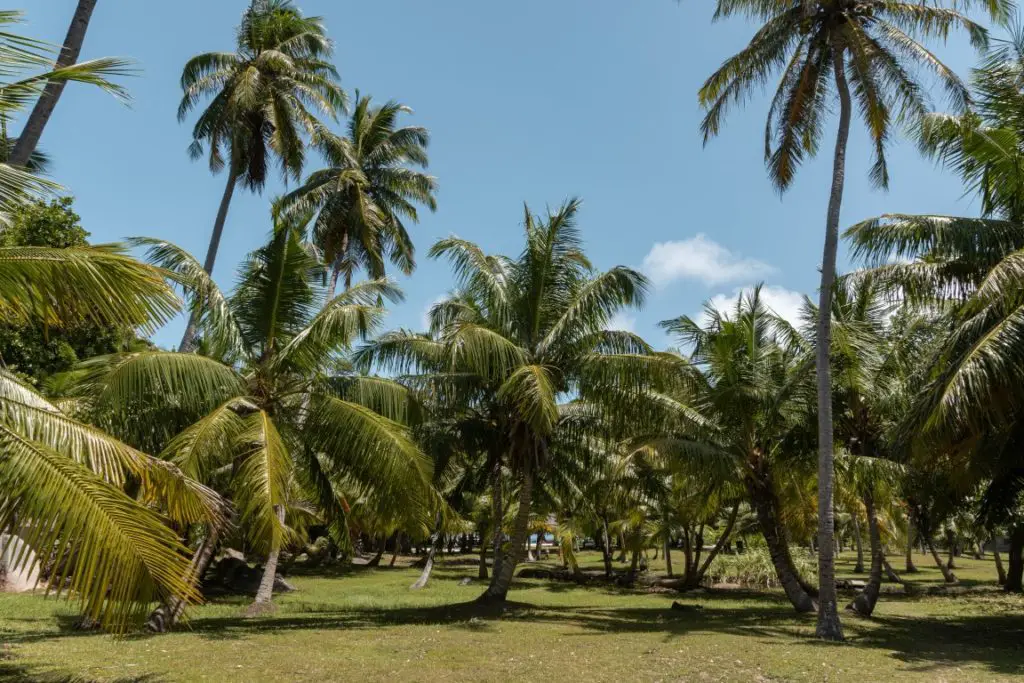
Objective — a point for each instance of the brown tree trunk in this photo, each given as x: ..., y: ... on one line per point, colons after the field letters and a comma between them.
x: 188, y: 339
x: 668, y: 555
x: 1000, y: 570
x: 859, y: 567
x: 398, y: 546
x: 701, y: 572
x: 40, y: 115
x: 1015, y: 569
x: 606, y: 549
x: 265, y: 593
x: 481, y: 572
x: 829, y: 626
x: 950, y: 549
x: 497, y: 514
x: 381, y: 547
x: 163, y: 618
x: 909, y: 567
x: 763, y: 498
x: 864, y: 603
x: 435, y: 543
x: 502, y: 581
x: 947, y: 574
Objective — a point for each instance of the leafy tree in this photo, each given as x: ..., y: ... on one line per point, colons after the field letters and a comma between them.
x: 262, y: 103
x: 372, y: 185
x: 277, y: 424
x: 819, y: 45
x: 33, y: 351
x: 518, y: 334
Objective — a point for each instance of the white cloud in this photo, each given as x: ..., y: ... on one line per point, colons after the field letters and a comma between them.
x: 785, y: 302
x: 622, y: 322
x: 700, y: 258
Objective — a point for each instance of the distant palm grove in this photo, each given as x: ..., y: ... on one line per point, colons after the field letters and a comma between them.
x: 290, y: 430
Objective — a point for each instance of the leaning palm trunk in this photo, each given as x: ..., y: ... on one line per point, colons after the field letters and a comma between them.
x: 864, y: 603
x: 435, y: 543
x: 163, y: 618
x: 265, y: 594
x: 829, y: 626
x: 1000, y: 570
x: 909, y: 566
x: 188, y: 339
x: 766, y: 508
x: 947, y: 574
x: 950, y: 549
x: 501, y: 580
x: 43, y: 109
x: 859, y: 567
x: 696, y: 578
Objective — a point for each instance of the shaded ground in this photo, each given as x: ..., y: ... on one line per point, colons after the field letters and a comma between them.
x: 364, y: 624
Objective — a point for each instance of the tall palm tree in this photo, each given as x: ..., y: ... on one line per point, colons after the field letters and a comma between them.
x: 19, y: 57
x: 819, y: 45
x: 279, y: 422
x: 40, y: 114
x: 518, y: 334
x: 738, y: 411
x: 263, y: 102
x: 373, y: 183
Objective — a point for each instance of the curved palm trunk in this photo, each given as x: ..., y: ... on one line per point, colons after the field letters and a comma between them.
x: 1015, y: 571
x: 909, y: 567
x: 1000, y: 570
x: 43, y: 109
x: 265, y: 593
x: 829, y: 626
x: 188, y: 339
x: 397, y: 548
x: 701, y: 572
x: 765, y: 506
x: 435, y: 543
x: 163, y: 618
x: 864, y: 603
x: 501, y: 581
x: 859, y: 567
x: 947, y: 574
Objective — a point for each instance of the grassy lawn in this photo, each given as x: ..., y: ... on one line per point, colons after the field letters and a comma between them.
x: 365, y: 625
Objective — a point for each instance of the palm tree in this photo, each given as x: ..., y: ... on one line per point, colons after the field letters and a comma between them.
x: 263, y: 99
x: 281, y: 421
x: 371, y: 185
x: 20, y: 55
x: 516, y: 335
x: 818, y: 45
x: 738, y: 412
x: 40, y: 115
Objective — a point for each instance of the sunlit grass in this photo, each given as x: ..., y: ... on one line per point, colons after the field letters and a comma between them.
x: 366, y: 625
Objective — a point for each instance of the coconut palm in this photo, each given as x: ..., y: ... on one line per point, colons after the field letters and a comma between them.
x: 819, y: 45
x: 19, y: 56
x: 27, y: 142
x: 518, y: 334
x: 373, y: 184
x: 282, y: 420
x: 738, y: 411
x: 263, y: 102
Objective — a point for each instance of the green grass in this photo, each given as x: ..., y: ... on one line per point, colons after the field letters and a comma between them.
x: 366, y: 625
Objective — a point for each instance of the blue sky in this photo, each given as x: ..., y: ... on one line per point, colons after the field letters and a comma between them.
x: 530, y: 101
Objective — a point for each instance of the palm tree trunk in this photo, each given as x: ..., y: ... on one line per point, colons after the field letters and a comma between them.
x: 394, y: 555
x: 537, y: 547
x: 188, y: 339
x: 381, y: 547
x: 909, y: 566
x: 481, y: 572
x: 502, y: 581
x: 947, y: 574
x: 633, y: 564
x: 163, y: 618
x: 265, y: 594
x: 699, y: 575
x: 497, y: 514
x: 37, y: 120
x: 435, y: 543
x: 859, y: 567
x: 765, y: 506
x: 951, y: 548
x: 1015, y: 571
x: 668, y: 554
x: 606, y: 548
x: 1000, y: 570
x: 864, y: 603
x: 829, y: 626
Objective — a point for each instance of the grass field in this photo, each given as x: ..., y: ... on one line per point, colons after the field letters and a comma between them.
x: 365, y: 625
